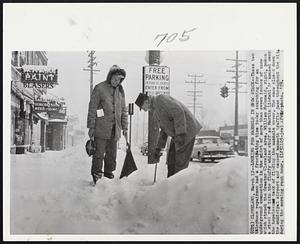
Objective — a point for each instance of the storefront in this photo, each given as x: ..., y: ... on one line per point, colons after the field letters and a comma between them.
x: 227, y: 134
x: 27, y: 127
x: 21, y: 115
x: 56, y: 134
x: 38, y: 143
x: 16, y: 136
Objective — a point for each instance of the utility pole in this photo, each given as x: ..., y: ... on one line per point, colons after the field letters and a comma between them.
x: 91, y: 69
x: 195, y: 93
x: 236, y: 77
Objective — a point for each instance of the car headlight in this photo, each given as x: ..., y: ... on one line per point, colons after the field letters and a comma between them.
x: 204, y: 148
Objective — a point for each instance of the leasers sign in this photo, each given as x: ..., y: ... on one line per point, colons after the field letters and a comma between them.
x: 156, y: 80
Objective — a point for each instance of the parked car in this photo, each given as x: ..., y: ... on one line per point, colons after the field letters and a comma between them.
x: 144, y: 148
x: 212, y: 148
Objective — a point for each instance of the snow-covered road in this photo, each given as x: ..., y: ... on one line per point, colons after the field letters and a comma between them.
x: 51, y: 194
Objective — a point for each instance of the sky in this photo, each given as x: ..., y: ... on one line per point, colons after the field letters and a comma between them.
x: 74, y: 82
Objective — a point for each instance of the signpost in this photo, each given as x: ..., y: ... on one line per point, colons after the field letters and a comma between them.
x: 156, y: 80
x: 130, y: 111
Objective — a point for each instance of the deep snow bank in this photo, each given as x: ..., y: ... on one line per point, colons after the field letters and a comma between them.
x: 210, y: 200
x: 51, y: 194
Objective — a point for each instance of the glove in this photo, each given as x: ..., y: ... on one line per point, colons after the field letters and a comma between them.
x: 125, y: 134
x: 91, y: 133
x: 180, y: 139
x: 157, y: 154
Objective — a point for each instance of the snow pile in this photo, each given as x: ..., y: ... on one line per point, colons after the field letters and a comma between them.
x: 51, y: 194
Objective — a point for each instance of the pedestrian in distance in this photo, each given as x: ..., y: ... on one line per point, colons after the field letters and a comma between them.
x: 107, y: 118
x: 175, y: 120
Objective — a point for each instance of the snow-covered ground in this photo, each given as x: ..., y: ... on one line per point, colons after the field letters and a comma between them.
x: 51, y: 194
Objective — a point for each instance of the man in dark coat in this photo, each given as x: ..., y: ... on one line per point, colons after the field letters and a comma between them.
x: 175, y: 120
x: 107, y: 116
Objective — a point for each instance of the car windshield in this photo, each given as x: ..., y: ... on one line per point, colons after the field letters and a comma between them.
x: 208, y: 140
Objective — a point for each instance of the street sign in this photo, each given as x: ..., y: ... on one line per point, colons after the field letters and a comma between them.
x: 156, y: 80
x: 60, y: 114
x: 38, y: 76
x: 46, y: 105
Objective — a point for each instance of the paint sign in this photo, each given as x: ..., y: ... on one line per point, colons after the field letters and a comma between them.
x: 156, y: 80
x: 38, y: 76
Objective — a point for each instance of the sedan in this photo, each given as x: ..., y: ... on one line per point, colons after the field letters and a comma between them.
x: 211, y: 148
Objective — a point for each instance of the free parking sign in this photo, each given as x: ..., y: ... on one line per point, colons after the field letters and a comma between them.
x: 156, y: 80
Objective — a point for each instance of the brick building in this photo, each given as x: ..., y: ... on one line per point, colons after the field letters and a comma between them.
x: 27, y: 127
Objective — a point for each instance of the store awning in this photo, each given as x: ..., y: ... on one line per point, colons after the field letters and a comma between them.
x: 41, y: 116
x: 17, y: 92
x: 57, y: 120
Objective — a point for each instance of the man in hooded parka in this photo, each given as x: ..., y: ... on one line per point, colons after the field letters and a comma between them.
x: 107, y: 116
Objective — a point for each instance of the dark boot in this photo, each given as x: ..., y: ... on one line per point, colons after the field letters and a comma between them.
x: 96, y: 177
x: 109, y: 175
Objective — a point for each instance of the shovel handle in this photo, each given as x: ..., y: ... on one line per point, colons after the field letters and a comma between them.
x: 128, y: 145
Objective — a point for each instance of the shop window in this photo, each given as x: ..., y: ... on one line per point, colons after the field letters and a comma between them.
x: 22, y: 109
x: 22, y: 58
x: 14, y: 58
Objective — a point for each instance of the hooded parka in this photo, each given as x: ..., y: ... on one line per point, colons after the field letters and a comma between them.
x: 111, y: 101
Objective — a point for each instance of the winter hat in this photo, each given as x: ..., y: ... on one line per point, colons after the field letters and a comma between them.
x: 90, y: 147
x: 141, y: 99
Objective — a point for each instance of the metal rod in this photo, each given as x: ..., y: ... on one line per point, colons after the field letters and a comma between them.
x: 130, y: 116
x: 155, y: 172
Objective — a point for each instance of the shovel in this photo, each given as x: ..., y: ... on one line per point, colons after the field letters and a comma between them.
x: 129, y: 165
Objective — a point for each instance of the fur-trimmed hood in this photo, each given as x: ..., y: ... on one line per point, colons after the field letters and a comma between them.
x: 115, y: 69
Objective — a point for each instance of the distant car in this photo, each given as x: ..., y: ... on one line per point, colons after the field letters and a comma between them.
x: 144, y: 149
x: 212, y: 148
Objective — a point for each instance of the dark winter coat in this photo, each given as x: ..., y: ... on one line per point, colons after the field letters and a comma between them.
x: 174, y: 118
x: 112, y: 101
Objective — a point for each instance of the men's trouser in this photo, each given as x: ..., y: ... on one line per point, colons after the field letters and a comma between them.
x: 179, y: 159
x: 106, y: 150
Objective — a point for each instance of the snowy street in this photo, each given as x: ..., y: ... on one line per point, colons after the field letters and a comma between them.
x: 51, y: 194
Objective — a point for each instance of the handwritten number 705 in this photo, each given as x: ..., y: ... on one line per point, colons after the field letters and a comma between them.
x: 169, y: 38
